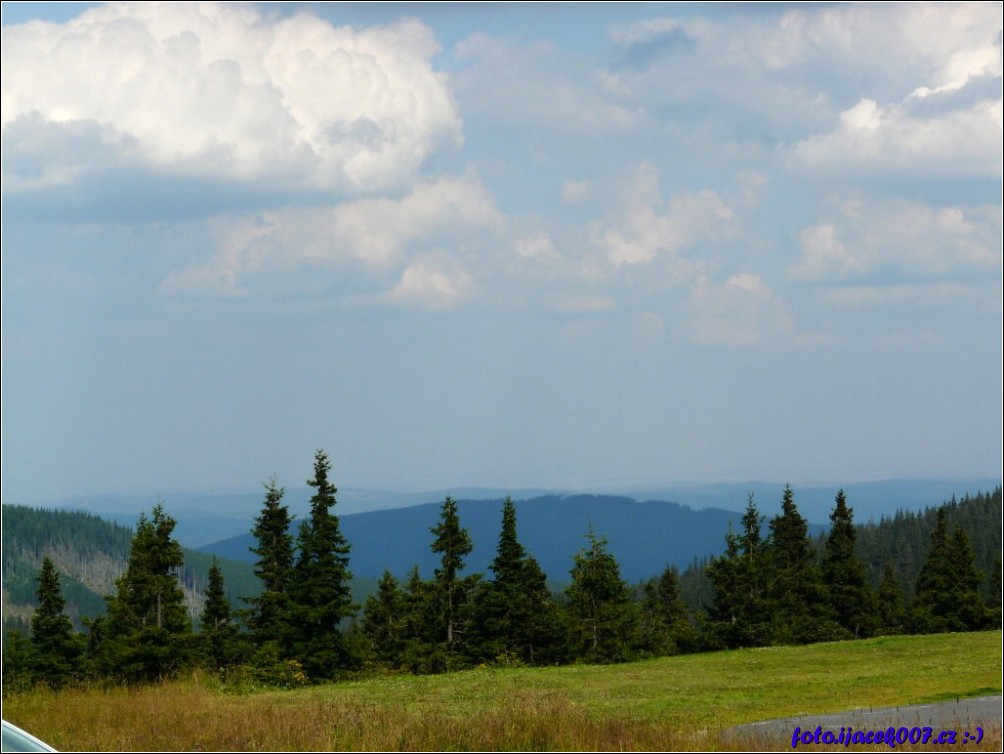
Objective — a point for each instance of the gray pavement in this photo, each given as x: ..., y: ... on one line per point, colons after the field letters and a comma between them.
x: 961, y: 715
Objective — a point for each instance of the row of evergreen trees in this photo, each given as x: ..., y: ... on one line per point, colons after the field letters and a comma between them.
x: 768, y: 588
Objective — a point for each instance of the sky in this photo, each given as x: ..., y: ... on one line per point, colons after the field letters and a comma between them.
x: 576, y: 246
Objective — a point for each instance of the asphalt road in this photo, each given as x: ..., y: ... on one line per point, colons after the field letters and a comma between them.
x: 961, y: 715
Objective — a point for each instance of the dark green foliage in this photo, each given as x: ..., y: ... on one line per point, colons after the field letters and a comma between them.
x: 741, y: 613
x: 17, y: 673
x: 947, y: 596
x: 218, y: 639
x: 148, y: 626
x: 891, y: 612
x: 268, y: 618
x: 89, y: 552
x: 424, y: 649
x: 451, y: 592
x: 904, y: 539
x: 383, y: 624
x: 55, y: 648
x: 516, y: 618
x: 601, y: 615
x: 851, y: 597
x: 994, y: 598
x: 666, y: 617
x: 320, y: 594
x: 544, y: 632
x: 503, y: 610
x: 798, y: 603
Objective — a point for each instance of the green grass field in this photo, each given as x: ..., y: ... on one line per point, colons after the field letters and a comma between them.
x: 671, y: 703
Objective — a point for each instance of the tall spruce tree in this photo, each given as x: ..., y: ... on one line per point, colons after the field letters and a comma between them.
x: 218, y: 637
x: 320, y: 593
x: 148, y: 624
x: 844, y: 575
x: 269, y: 617
x: 546, y: 638
x: 55, y: 648
x: 451, y: 590
x: 422, y: 635
x: 799, y: 606
x: 741, y: 615
x: 601, y: 615
x: 503, y: 609
x: 947, y: 596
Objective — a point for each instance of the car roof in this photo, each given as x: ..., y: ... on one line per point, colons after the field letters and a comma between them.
x: 15, y: 739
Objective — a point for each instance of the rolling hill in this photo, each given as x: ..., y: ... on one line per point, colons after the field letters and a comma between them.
x: 645, y: 537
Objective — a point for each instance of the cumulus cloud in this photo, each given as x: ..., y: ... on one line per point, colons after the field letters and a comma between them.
x: 374, y: 237
x: 802, y: 77
x: 220, y: 90
x: 901, y: 241
x: 937, y: 110
x: 436, y: 282
x: 873, y: 138
x: 649, y: 226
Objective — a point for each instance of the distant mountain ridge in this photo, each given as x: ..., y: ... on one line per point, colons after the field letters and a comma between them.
x: 206, y: 519
x: 645, y: 537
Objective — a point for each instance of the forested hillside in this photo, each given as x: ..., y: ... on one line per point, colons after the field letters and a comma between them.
x: 773, y: 582
x: 90, y: 554
x: 904, y: 539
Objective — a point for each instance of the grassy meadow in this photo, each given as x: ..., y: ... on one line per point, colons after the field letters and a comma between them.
x: 675, y: 703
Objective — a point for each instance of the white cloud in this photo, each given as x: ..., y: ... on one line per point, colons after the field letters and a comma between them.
x: 902, y: 240
x: 537, y: 246
x: 742, y: 312
x: 381, y: 235
x: 873, y: 139
x: 219, y: 90
x: 648, y: 226
x: 437, y: 282
x: 927, y: 76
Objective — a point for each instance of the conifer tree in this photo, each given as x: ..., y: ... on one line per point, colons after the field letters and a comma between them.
x: 269, y: 617
x: 665, y: 620
x: 55, y: 647
x: 320, y: 588
x: 970, y: 607
x: 891, y: 614
x: 947, y: 595
x: 601, y: 614
x: 218, y: 636
x: 422, y: 636
x: 798, y: 604
x: 384, y: 617
x: 454, y: 544
x: 994, y: 601
x: 546, y: 638
x: 503, y: 609
x: 726, y: 610
x: 148, y: 625
x: 851, y: 597
x: 741, y: 614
